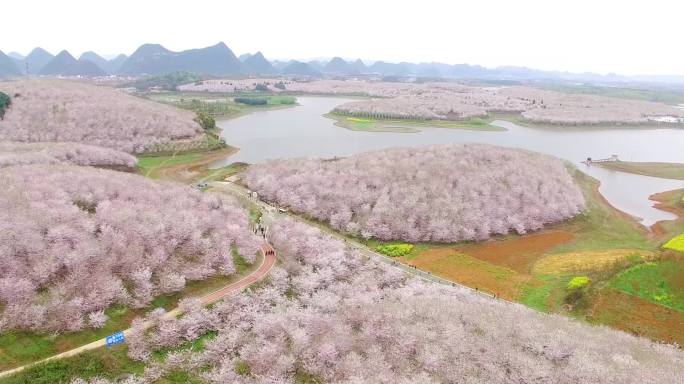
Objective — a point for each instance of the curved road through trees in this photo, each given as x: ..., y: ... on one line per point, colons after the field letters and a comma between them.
x: 268, y: 261
x: 242, y: 192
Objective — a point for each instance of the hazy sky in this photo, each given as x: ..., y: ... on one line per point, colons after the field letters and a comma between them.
x: 626, y: 37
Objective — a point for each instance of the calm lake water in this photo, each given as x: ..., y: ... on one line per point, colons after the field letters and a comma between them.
x: 302, y: 131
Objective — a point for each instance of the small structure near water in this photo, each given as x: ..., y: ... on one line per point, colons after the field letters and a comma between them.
x: 612, y: 158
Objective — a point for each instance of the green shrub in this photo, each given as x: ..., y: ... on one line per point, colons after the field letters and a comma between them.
x: 206, y: 121
x: 576, y: 296
x: 251, y: 100
x: 394, y: 250
x: 180, y: 377
x: 578, y: 282
x: 242, y: 368
x: 303, y: 377
x: 279, y: 85
x: 676, y: 243
x: 477, y: 121
x: 282, y: 100
x: 5, y: 102
x: 662, y: 295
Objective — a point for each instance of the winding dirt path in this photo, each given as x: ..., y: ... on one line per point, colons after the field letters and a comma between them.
x: 268, y: 261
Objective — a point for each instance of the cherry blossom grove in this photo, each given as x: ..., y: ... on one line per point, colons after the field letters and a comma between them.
x: 440, y: 193
x: 535, y: 105
x: 75, y: 240
x: 339, y: 317
x: 232, y: 85
x: 14, y: 153
x: 454, y: 101
x: 69, y: 111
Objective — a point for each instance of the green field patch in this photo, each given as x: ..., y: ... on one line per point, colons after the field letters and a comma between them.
x: 266, y: 100
x: 220, y: 174
x: 368, y: 124
x: 220, y: 105
x: 673, y: 171
x: 112, y: 363
x: 601, y: 227
x: 659, y: 282
x: 544, y: 293
x: 150, y: 164
x: 18, y: 348
x: 282, y: 100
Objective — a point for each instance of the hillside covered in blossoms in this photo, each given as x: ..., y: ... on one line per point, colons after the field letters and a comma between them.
x: 17, y: 153
x: 440, y: 193
x: 332, y: 315
x: 78, y: 239
x: 70, y: 111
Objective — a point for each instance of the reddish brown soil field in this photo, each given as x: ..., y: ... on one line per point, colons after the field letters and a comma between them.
x: 638, y: 316
x: 668, y: 201
x: 518, y: 254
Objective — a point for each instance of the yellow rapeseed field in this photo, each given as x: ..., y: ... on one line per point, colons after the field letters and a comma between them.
x: 587, y: 260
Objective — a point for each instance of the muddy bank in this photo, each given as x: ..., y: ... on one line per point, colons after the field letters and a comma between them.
x: 669, y: 201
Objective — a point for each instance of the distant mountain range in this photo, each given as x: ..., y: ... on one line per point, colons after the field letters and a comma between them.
x: 95, y: 58
x: 300, y: 69
x: 340, y: 66
x: 218, y: 60
x: 258, y: 64
x: 390, y: 69
x: 154, y: 59
x: 8, y: 66
x: 34, y: 61
x: 66, y: 65
x: 16, y: 55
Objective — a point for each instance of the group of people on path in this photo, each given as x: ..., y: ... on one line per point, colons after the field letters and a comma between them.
x: 260, y: 228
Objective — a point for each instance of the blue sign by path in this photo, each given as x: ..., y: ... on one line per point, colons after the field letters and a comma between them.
x: 115, y: 338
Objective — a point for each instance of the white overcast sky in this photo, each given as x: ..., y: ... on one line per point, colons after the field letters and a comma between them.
x: 626, y: 37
